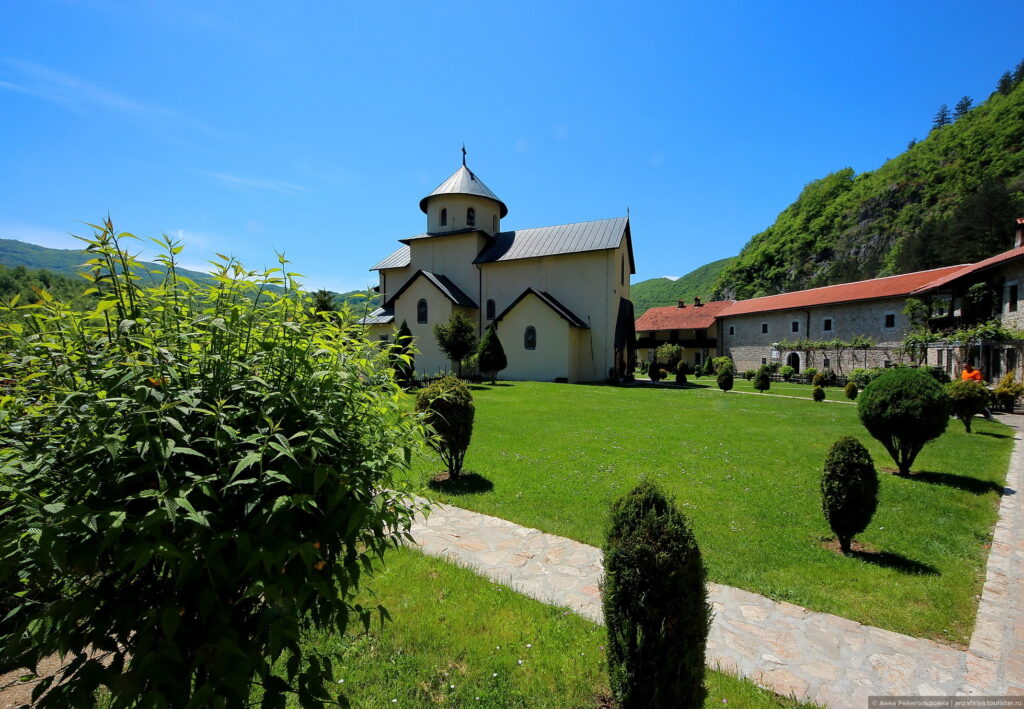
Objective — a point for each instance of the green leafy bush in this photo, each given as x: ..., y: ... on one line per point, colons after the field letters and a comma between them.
x: 448, y: 409
x: 654, y: 372
x: 819, y: 380
x: 773, y: 367
x: 939, y: 374
x: 904, y: 408
x: 762, y: 382
x: 194, y: 476
x: 863, y: 377
x: 655, y: 603
x: 818, y: 394
x: 851, y: 390
x: 723, y: 362
x: 749, y: 374
x: 680, y: 376
x: 849, y: 490
x: 709, y: 366
x: 966, y: 399
x: 810, y: 373
x: 829, y: 377
x: 787, y: 372
x: 725, y: 379
x: 1007, y: 392
x: 669, y: 354
x: 683, y: 368
x: 491, y: 354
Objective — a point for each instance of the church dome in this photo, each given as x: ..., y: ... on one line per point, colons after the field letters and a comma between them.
x: 463, y: 181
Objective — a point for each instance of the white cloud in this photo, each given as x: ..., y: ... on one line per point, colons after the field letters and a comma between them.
x: 253, y: 183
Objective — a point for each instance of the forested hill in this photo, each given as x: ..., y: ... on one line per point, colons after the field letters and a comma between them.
x: 655, y: 292
x: 951, y: 198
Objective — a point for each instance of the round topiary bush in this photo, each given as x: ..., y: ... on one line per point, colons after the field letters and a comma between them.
x: 818, y: 394
x: 786, y: 372
x: 966, y: 399
x: 849, y: 490
x: 448, y: 409
x: 851, y: 390
x: 654, y: 372
x: 762, y: 382
x: 819, y: 380
x: 655, y: 603
x: 904, y: 408
x: 749, y: 374
x: 725, y: 379
x: 680, y: 376
x: 683, y: 368
x: 809, y: 373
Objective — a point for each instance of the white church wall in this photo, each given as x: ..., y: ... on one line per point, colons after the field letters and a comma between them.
x: 486, y: 212
x: 429, y: 358
x: 552, y: 358
x: 450, y: 256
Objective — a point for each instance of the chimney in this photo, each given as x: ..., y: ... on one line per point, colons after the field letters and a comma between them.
x: 1018, y: 240
x: 681, y: 304
x: 696, y: 302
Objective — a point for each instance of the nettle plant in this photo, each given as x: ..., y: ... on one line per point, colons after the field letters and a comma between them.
x: 192, y: 476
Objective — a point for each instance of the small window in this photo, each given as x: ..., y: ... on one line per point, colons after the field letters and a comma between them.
x: 444, y: 217
x: 938, y: 358
x: 732, y: 330
x: 887, y: 363
x: 622, y: 271
x: 764, y: 360
x: 1011, y: 305
x: 494, y: 222
x: 827, y: 325
x: 1011, y: 360
x: 827, y: 364
x: 421, y: 311
x: 470, y: 217
x: 764, y: 328
x: 490, y: 309
x: 890, y: 320
x: 530, y: 338
x: 796, y: 326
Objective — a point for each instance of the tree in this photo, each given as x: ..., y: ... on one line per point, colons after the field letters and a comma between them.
x: 904, y: 409
x: 323, y: 303
x: 942, y: 117
x: 655, y: 603
x: 725, y: 378
x: 456, y: 338
x: 447, y: 408
x: 191, y: 496
x: 911, y: 143
x: 403, y: 354
x: 762, y: 382
x: 1005, y: 85
x: 967, y: 399
x: 849, y: 490
x: 962, y: 107
x: 492, y: 354
x: 1018, y: 73
x: 669, y: 354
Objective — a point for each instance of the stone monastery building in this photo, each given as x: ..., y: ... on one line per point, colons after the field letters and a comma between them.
x: 559, y: 295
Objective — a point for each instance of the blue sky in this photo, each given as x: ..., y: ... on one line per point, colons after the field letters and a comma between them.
x: 316, y: 127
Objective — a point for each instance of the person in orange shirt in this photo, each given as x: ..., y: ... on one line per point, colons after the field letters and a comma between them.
x: 970, y: 373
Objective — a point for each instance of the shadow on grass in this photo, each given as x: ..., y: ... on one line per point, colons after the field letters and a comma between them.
x: 993, y: 435
x: 465, y: 484
x: 896, y: 562
x: 960, y: 482
x: 486, y: 385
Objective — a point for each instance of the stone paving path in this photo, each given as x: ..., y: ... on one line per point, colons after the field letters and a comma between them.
x: 786, y: 648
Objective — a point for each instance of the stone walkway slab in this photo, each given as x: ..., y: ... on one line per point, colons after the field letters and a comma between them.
x: 791, y: 650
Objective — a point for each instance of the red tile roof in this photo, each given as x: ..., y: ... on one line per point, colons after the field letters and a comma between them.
x: 692, y: 317
x: 974, y: 268
x: 888, y: 287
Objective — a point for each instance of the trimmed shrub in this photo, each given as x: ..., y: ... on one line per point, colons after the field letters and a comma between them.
x: 851, y: 390
x: 773, y: 367
x: 709, y: 366
x: 762, y: 382
x: 195, y: 478
x: 818, y: 394
x: 967, y: 398
x: 749, y: 374
x: 819, y: 379
x: 787, y: 372
x: 669, y: 354
x: 448, y: 408
x: 654, y: 371
x: 723, y: 362
x: 683, y: 368
x: 1007, y: 392
x: 655, y: 603
x: 939, y: 374
x: 849, y: 490
x: 725, y: 379
x: 863, y: 377
x: 810, y: 373
x: 491, y: 354
x: 904, y: 409
x: 680, y: 376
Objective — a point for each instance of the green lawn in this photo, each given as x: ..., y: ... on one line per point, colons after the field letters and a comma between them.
x: 746, y: 470
x: 459, y: 640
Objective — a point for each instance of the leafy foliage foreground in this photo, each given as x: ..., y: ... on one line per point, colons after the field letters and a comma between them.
x: 191, y: 476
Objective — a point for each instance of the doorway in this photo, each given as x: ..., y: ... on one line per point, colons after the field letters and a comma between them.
x: 793, y: 360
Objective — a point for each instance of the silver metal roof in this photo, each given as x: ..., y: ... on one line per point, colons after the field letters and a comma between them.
x: 553, y: 240
x: 399, y: 258
x: 550, y: 301
x: 380, y: 316
x: 443, y: 284
x: 463, y: 181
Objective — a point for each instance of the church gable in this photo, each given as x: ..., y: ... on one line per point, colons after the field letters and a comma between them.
x: 443, y: 284
x: 548, y: 300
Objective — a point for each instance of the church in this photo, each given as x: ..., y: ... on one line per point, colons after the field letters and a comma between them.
x: 558, y: 295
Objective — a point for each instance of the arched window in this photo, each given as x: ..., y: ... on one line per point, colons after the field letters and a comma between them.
x: 444, y: 217
x: 470, y: 217
x: 421, y: 311
x: 490, y: 309
x: 530, y: 338
x: 494, y: 227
